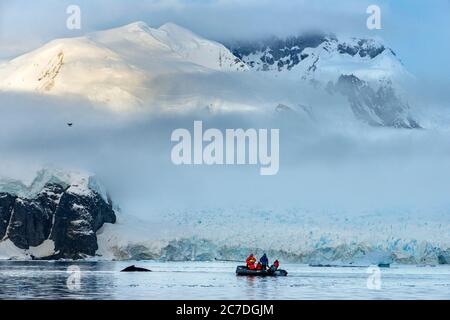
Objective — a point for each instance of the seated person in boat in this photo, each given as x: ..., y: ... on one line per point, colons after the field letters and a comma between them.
x: 275, y: 266
x: 251, y: 262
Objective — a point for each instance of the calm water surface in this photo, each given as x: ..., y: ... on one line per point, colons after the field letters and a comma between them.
x: 214, y: 280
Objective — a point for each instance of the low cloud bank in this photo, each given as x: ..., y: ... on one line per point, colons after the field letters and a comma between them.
x: 322, y: 167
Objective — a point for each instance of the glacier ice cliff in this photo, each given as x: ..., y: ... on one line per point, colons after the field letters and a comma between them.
x: 292, y: 235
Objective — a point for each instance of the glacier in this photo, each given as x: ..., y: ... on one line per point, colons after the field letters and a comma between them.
x: 292, y: 235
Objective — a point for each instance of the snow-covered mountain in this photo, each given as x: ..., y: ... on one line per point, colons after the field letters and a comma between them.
x: 115, y: 67
x: 321, y: 58
x: 365, y: 71
x: 171, y: 69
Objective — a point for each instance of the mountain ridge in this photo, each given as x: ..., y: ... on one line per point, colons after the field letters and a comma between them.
x: 171, y: 69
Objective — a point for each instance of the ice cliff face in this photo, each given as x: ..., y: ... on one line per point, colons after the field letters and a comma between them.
x: 377, y: 107
x: 292, y: 235
x: 56, y: 217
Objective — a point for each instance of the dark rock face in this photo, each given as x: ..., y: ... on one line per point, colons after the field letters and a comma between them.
x: 6, y: 205
x: 379, y: 107
x: 32, y: 219
x: 77, y: 219
x: 285, y: 53
x: 71, y: 220
x: 29, y: 225
x: 363, y: 48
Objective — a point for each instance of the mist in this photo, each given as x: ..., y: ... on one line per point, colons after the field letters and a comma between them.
x: 324, y: 166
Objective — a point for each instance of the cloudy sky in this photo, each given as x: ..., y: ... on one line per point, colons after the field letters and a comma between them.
x: 320, y: 168
x: 417, y: 31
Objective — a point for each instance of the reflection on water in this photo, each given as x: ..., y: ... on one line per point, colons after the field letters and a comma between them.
x: 40, y: 280
x: 213, y: 280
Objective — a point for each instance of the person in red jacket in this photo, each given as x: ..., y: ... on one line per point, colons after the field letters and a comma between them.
x: 251, y: 262
x: 259, y: 266
x: 276, y: 264
x: 274, y: 267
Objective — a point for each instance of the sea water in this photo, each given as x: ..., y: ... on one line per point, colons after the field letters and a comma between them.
x: 214, y: 280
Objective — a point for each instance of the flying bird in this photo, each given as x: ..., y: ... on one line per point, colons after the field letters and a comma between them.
x: 70, y: 124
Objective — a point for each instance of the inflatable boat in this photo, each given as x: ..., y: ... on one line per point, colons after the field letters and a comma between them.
x: 244, y: 271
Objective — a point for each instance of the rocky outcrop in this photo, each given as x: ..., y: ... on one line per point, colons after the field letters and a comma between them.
x: 365, y: 71
x: 377, y: 107
x: 275, y: 53
x: 278, y: 54
x: 77, y: 219
x: 67, y: 215
x: 6, y: 205
x: 31, y: 219
x: 363, y: 48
